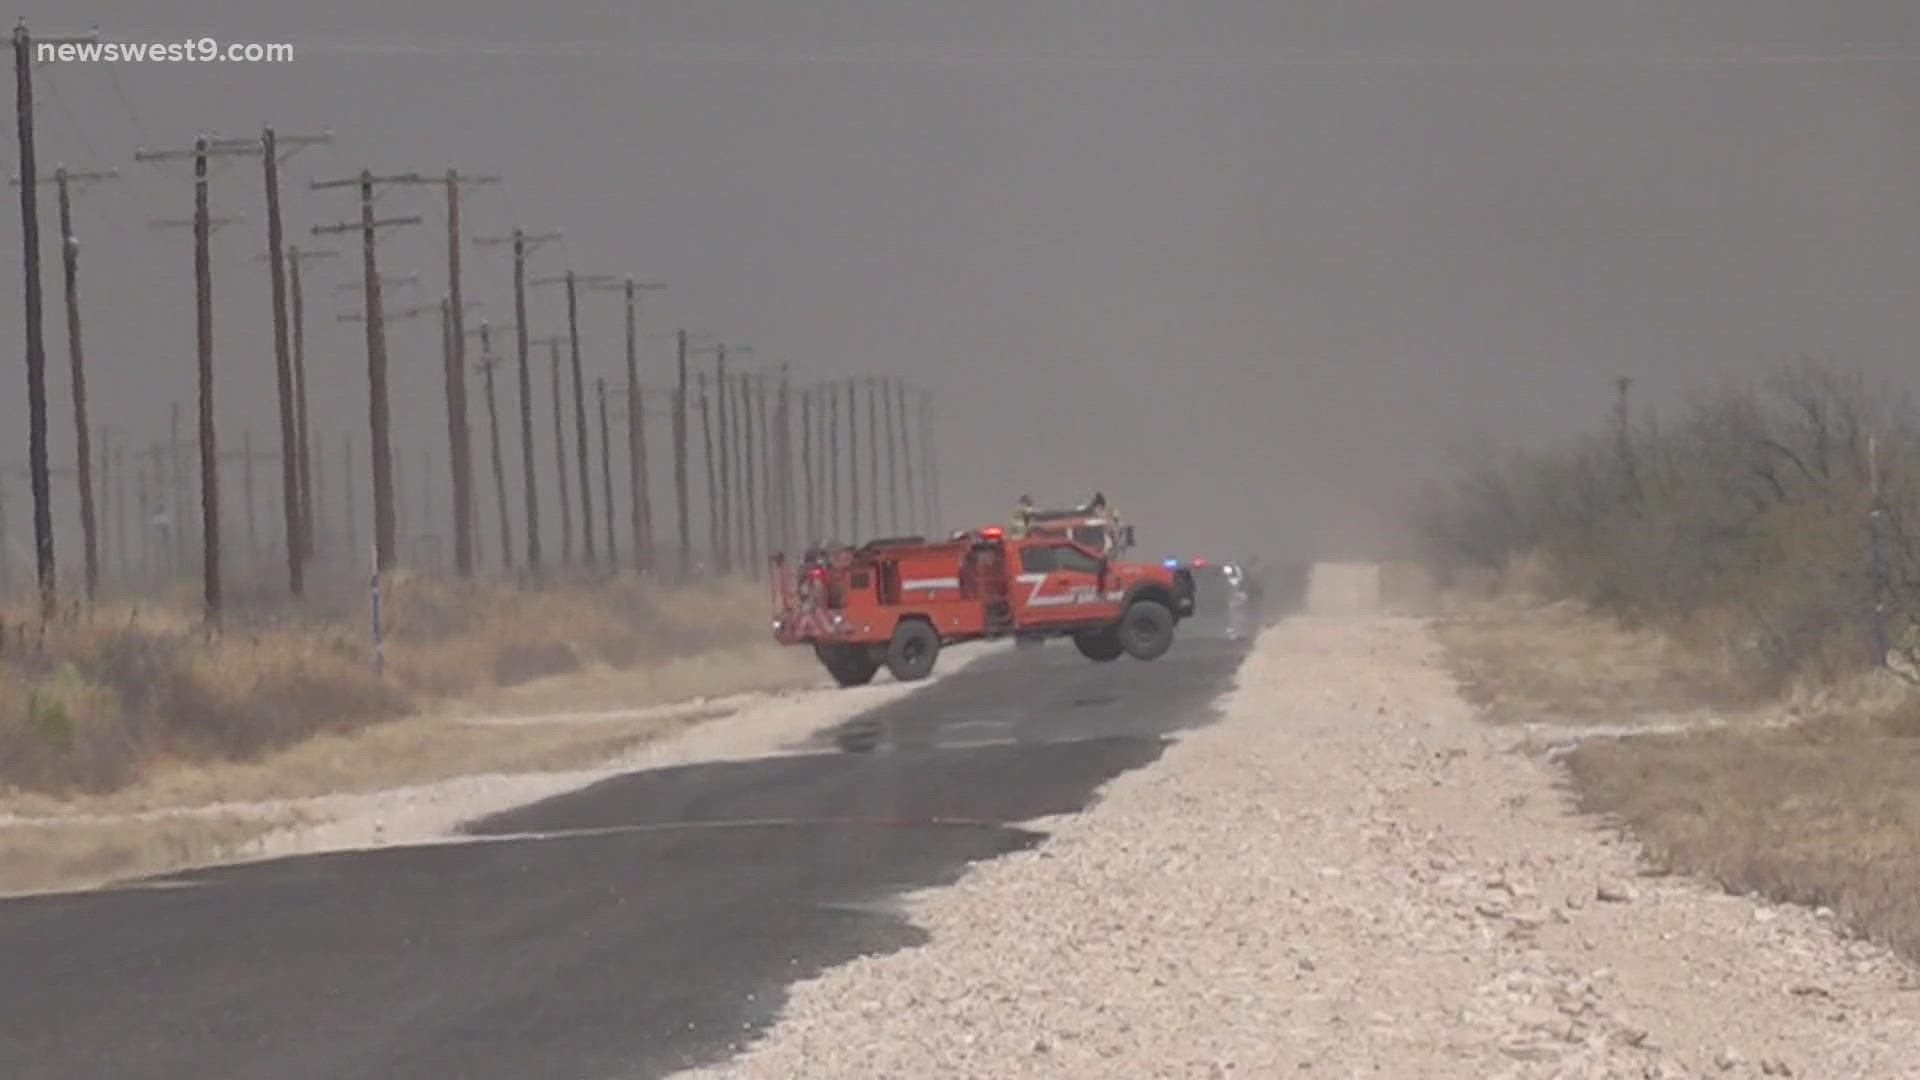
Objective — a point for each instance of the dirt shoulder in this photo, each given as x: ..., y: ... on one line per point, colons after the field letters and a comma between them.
x: 1349, y: 874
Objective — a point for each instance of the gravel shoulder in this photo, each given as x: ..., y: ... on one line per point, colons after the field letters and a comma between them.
x: 1348, y: 874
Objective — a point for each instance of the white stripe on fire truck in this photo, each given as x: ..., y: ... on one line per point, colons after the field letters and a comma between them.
x: 931, y: 583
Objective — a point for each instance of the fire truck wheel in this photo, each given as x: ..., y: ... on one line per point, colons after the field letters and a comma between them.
x: 849, y: 666
x: 1099, y: 645
x: 1146, y: 630
x: 914, y: 648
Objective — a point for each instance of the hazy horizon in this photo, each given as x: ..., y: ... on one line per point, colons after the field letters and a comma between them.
x: 1245, y: 267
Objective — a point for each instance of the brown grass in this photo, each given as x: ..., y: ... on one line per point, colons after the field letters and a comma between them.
x: 1813, y: 798
x: 91, y: 705
x: 1525, y: 662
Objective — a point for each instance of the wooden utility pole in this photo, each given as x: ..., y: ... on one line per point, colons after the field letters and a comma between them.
x: 915, y: 520
x: 853, y: 459
x: 290, y: 485
x: 723, y: 390
x: 830, y: 395
x: 573, y: 282
x: 35, y: 328
x: 639, y: 498
x: 681, y: 504
x: 309, y: 526
x: 873, y: 452
x: 929, y: 462
x: 606, y: 476
x: 488, y: 362
x: 459, y: 432
x: 716, y: 542
x: 522, y: 243
x: 726, y: 443
x: 560, y: 453
x: 379, y: 410
x: 77, y: 370
x: 203, y: 225
x: 783, y: 463
x: 209, y: 443
x: 810, y: 516
x: 749, y: 516
x: 883, y: 387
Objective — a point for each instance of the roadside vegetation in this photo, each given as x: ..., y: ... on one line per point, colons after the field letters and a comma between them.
x: 1712, y: 579
x: 93, y: 702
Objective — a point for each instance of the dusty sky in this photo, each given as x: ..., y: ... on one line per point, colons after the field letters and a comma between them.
x: 1245, y: 265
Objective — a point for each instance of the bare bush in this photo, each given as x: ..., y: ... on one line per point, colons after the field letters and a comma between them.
x: 1753, y: 511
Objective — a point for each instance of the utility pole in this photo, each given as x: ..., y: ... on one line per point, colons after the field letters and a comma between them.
x: 606, y: 475
x: 679, y: 432
x: 883, y: 386
x: 246, y: 492
x: 783, y: 460
x: 728, y: 437
x: 873, y: 452
x: 830, y: 397
x: 928, y: 459
x: 305, y: 464
x: 853, y: 456
x: 640, y: 499
x: 723, y: 389
x: 203, y: 226
x: 378, y: 409
x: 811, y: 514
x: 63, y: 180
x: 715, y: 541
x: 290, y: 485
x: 915, y: 521
x: 522, y: 243
x: 35, y: 329
x: 459, y: 435
x: 749, y: 515
x: 560, y: 454
x: 488, y: 362
x: 573, y: 282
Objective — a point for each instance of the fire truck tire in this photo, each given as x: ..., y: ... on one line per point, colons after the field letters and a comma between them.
x: 1146, y: 629
x: 849, y: 666
x: 1099, y: 645
x: 913, y: 650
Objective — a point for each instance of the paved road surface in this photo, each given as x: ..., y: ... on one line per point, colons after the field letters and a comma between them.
x: 634, y: 927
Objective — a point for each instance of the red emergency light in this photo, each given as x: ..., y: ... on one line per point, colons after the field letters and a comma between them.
x: 993, y: 532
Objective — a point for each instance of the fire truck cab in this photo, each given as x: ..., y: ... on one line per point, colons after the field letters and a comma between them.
x: 896, y: 603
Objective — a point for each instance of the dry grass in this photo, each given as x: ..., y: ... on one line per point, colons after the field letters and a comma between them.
x: 1822, y: 814
x: 1811, y: 798
x: 91, y: 706
x: 1524, y: 662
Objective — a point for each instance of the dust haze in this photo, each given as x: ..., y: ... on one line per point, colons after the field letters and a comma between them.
x: 1244, y: 266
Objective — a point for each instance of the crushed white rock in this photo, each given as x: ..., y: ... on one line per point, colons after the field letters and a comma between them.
x: 1346, y: 876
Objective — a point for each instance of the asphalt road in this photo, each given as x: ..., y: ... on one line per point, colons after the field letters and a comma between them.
x: 641, y: 925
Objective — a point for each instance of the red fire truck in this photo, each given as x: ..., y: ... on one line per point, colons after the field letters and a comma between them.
x: 895, y: 603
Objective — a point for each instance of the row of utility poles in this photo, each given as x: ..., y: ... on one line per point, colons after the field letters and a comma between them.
x: 753, y: 503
